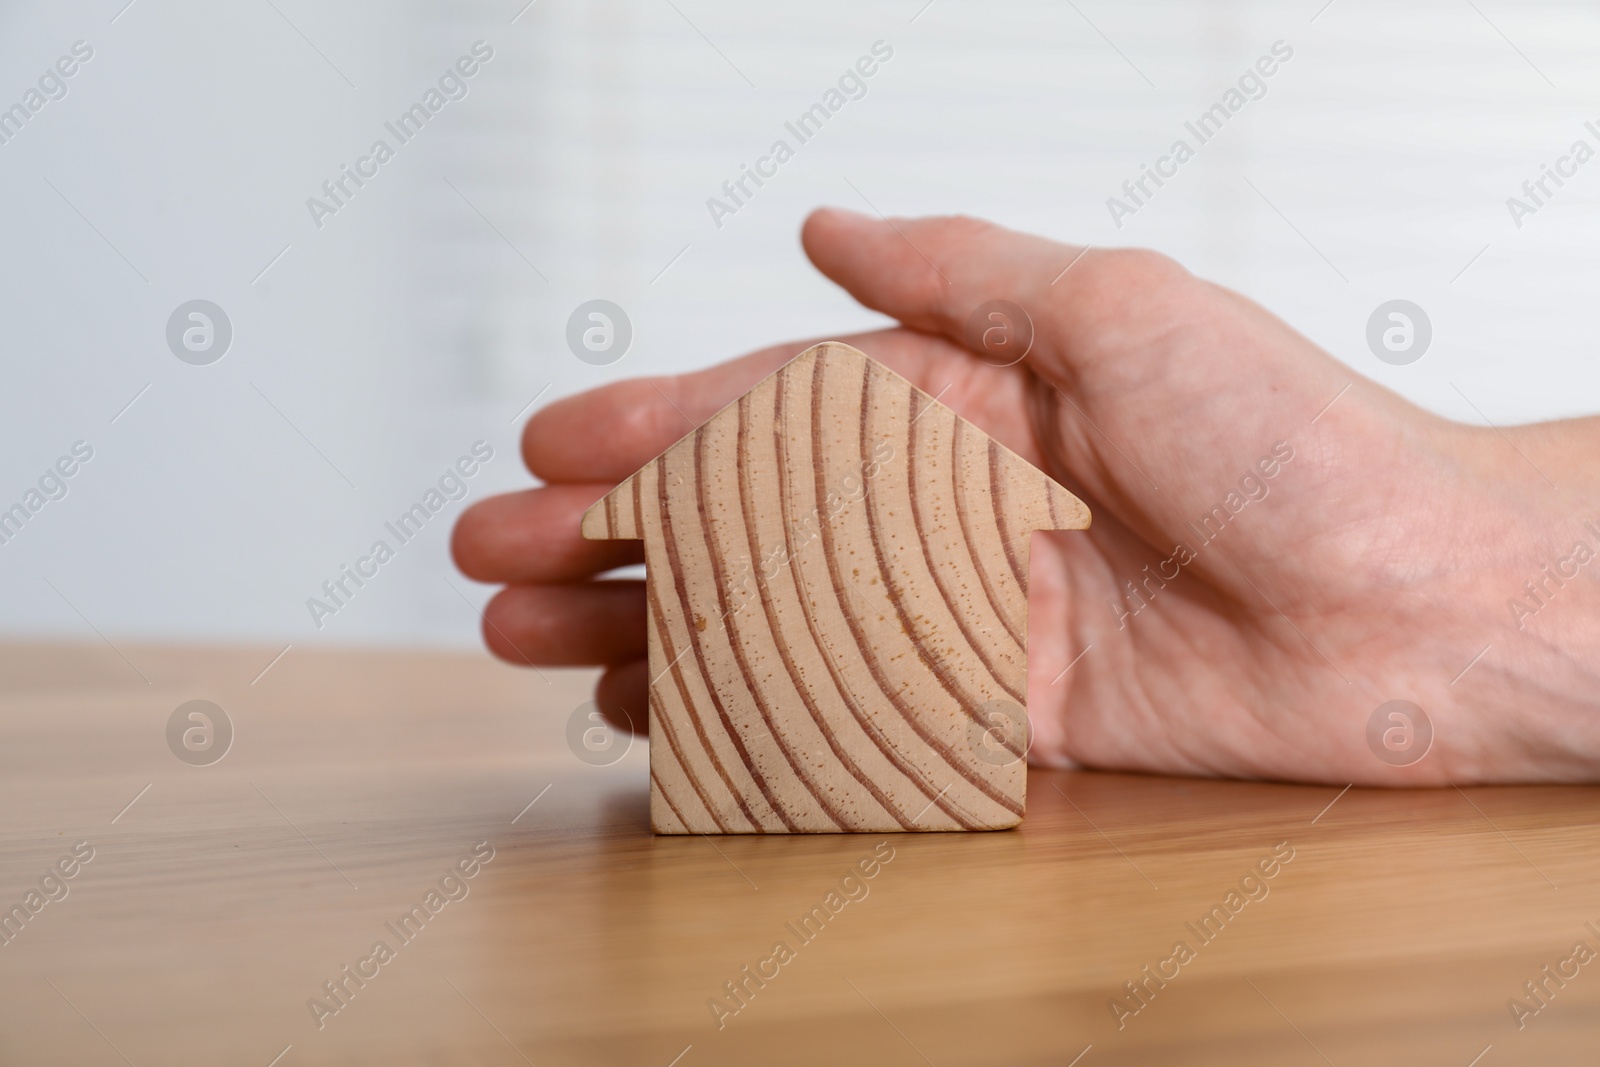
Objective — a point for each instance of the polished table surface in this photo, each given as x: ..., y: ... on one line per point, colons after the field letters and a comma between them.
x: 219, y: 899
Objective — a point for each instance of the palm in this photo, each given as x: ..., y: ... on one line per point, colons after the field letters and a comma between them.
x: 1155, y: 672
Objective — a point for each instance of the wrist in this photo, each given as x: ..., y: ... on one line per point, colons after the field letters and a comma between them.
x: 1537, y: 685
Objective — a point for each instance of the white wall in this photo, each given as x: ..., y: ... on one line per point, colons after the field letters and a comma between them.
x: 406, y: 328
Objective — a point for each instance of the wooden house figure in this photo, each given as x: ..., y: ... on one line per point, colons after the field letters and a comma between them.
x: 837, y: 583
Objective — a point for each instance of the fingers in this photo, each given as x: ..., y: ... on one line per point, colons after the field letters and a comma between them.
x: 579, y: 625
x: 533, y: 537
x: 606, y: 434
x: 623, y: 695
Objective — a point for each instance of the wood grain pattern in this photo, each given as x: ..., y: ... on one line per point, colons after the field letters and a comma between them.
x: 213, y: 908
x: 837, y: 582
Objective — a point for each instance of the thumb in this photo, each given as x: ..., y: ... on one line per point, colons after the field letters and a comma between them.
x: 930, y: 273
x: 994, y: 291
x: 1169, y: 386
x: 1103, y: 319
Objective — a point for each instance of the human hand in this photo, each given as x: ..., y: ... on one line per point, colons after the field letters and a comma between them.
x: 1279, y: 545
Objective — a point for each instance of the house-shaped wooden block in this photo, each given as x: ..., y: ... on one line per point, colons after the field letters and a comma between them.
x: 837, y: 583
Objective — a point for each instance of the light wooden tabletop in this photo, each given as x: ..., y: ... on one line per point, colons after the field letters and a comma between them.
x: 218, y: 900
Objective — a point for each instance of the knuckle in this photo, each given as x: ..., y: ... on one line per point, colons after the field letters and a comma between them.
x: 947, y: 241
x: 964, y: 231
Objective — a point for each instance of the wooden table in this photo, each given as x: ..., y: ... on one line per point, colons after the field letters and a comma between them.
x: 221, y: 899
